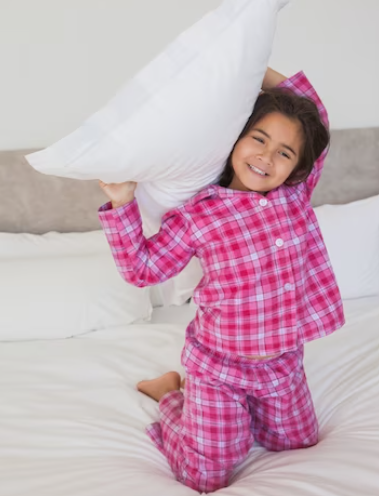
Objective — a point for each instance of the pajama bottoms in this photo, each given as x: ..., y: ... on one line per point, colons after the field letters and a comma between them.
x: 228, y: 402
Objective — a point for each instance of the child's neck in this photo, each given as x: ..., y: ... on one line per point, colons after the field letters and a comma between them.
x: 263, y: 193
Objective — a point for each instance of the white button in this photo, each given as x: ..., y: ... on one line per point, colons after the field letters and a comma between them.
x: 279, y: 242
x: 288, y: 286
x: 263, y: 202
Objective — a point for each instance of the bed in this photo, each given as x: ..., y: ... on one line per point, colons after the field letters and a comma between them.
x: 71, y: 420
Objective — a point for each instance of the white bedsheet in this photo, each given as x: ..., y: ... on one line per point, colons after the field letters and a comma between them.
x: 72, y: 423
x: 174, y: 314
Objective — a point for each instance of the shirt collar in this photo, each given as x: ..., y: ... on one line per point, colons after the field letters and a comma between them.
x: 230, y: 193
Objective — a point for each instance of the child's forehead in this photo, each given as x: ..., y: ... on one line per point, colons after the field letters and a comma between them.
x: 278, y: 119
x: 276, y: 125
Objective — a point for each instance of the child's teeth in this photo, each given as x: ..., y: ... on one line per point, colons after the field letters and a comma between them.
x: 257, y: 170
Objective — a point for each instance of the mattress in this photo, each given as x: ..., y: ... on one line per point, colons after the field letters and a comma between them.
x: 72, y: 422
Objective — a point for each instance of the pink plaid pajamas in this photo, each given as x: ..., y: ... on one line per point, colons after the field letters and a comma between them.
x: 268, y: 288
x: 227, y: 403
x: 268, y: 284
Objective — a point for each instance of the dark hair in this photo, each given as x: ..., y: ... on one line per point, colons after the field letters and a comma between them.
x: 316, y: 136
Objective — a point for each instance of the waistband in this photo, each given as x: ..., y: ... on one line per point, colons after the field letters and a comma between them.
x: 241, y: 371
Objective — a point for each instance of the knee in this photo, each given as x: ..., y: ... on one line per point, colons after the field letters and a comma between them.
x: 205, y: 483
x: 204, y: 475
x: 311, y: 440
x: 206, y: 487
x: 276, y: 442
x: 308, y: 439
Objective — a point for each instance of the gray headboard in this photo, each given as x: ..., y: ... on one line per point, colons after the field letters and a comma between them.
x: 35, y: 203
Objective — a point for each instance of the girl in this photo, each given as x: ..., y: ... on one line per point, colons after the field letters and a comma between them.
x: 268, y: 288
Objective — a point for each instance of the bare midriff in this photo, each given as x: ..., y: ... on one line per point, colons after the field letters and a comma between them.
x: 256, y: 357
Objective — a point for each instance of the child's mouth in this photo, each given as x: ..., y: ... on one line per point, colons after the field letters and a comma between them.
x: 257, y: 171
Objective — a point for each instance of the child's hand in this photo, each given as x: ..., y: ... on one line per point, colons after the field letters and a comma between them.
x: 119, y: 193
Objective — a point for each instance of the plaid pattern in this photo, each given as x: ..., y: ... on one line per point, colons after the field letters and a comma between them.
x: 268, y: 284
x: 268, y: 287
x: 207, y: 431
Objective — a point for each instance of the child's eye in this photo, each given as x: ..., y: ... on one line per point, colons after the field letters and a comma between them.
x: 258, y: 139
x: 285, y: 155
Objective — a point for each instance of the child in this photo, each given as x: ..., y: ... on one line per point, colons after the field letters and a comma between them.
x: 268, y: 288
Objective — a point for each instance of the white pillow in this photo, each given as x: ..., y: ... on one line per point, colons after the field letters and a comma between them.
x: 351, y: 235
x: 61, y: 285
x: 173, y: 125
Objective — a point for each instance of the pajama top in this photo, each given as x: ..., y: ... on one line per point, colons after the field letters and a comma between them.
x: 268, y: 284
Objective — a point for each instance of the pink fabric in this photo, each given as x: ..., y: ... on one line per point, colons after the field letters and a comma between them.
x: 207, y: 431
x: 268, y: 284
x: 268, y: 287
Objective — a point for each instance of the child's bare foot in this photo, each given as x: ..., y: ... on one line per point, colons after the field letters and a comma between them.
x: 157, y: 388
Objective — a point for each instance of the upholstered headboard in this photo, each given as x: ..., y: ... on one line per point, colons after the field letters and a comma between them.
x: 35, y: 203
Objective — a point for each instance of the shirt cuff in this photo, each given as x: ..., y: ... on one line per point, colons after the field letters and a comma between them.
x: 298, y: 79
x: 128, y: 211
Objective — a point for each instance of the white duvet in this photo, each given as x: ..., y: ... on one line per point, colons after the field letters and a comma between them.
x: 72, y: 423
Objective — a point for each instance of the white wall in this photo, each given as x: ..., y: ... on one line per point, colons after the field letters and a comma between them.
x: 61, y: 60
x: 336, y: 42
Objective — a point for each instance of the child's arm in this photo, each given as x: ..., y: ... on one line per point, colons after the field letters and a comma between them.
x: 141, y: 261
x: 272, y: 79
x: 300, y: 85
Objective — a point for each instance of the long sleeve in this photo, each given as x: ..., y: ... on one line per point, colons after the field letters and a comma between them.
x: 141, y: 261
x: 300, y: 85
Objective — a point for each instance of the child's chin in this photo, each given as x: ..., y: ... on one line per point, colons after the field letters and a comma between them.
x: 258, y: 188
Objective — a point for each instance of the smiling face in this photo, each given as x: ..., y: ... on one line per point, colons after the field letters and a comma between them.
x: 266, y: 156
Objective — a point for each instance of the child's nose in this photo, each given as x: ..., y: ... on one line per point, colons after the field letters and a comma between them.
x: 265, y: 157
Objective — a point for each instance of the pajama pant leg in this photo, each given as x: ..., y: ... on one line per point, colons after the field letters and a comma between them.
x: 285, y: 421
x: 205, y: 433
